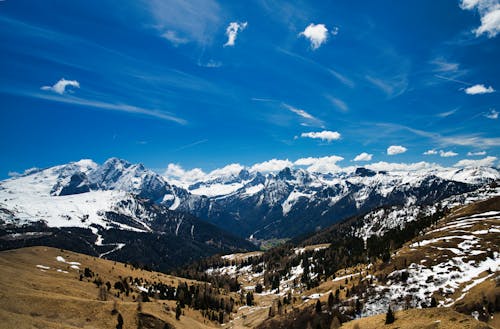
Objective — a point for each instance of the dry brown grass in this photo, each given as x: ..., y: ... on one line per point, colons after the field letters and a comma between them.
x: 32, y: 298
x: 419, y: 319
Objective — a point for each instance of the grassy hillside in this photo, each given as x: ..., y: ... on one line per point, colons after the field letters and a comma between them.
x: 39, y: 290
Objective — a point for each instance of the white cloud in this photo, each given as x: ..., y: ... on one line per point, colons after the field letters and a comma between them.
x: 447, y: 154
x: 323, y: 135
x: 388, y: 166
x: 323, y: 164
x: 363, y: 157
x: 174, y: 38
x: 493, y: 114
x: 176, y: 175
x: 443, y: 154
x: 232, y: 169
x: 469, y: 4
x: 396, y: 149
x: 479, y: 89
x: 232, y: 32
x: 272, y: 165
x: 490, y: 23
x: 486, y: 162
x: 430, y: 152
x: 60, y: 86
x: 316, y: 33
x: 489, y: 11
x: 479, y: 153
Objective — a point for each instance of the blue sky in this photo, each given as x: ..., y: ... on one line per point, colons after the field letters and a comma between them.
x: 208, y: 83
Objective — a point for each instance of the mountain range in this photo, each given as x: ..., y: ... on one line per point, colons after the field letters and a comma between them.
x: 118, y: 204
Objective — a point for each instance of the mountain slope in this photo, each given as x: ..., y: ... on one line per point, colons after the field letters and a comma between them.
x: 449, y: 259
x: 293, y: 202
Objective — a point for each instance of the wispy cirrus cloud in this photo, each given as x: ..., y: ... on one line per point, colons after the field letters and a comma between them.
x: 342, y: 78
x: 299, y: 112
x: 103, y: 105
x: 447, y: 113
x: 195, y: 20
x: 174, y: 38
x: 443, y: 66
x: 210, y: 64
x: 392, y: 86
x: 308, y: 117
x: 452, y: 79
x: 338, y: 103
x: 475, y: 140
x: 190, y: 145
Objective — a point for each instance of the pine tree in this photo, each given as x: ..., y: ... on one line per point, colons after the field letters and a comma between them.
x: 330, y: 301
x: 359, y: 307
x: 389, y: 316
x: 178, y: 311
x: 249, y: 299
x: 318, y: 307
x: 271, y: 311
x: 119, y: 325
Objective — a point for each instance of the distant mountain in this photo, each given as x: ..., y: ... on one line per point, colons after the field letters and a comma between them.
x: 250, y: 204
x: 293, y: 202
x: 106, y: 211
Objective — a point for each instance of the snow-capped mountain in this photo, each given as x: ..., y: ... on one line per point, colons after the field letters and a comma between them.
x: 107, y: 211
x: 249, y: 203
x: 292, y: 202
